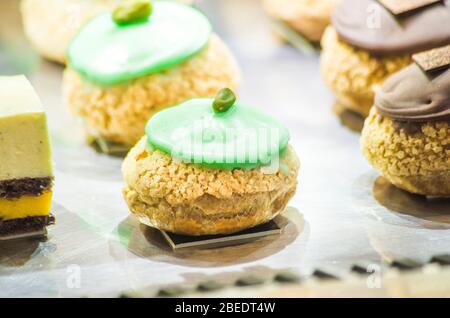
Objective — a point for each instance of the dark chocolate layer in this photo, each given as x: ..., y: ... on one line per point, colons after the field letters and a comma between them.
x: 15, y: 188
x: 25, y: 225
x: 368, y: 25
x: 413, y: 96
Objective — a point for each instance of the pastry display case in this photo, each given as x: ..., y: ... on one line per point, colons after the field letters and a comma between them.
x: 343, y: 214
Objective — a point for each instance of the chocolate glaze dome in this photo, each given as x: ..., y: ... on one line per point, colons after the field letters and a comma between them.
x: 368, y: 25
x: 412, y: 95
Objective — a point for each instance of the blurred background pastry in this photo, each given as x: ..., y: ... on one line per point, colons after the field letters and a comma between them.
x: 307, y: 17
x: 50, y: 25
x: 120, y: 74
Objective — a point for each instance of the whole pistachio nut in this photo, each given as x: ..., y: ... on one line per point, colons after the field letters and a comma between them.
x: 224, y: 100
x: 132, y: 11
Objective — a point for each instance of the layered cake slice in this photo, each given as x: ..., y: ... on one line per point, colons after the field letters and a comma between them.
x: 26, y: 174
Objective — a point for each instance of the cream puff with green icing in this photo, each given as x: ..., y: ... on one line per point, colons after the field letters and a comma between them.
x: 50, y: 25
x: 210, y: 166
x: 120, y: 73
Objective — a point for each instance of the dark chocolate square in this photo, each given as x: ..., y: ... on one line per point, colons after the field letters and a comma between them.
x: 177, y: 241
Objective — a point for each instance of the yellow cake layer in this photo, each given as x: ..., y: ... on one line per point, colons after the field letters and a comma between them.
x: 25, y: 206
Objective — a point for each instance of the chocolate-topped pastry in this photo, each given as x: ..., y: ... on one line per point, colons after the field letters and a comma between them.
x: 407, y: 134
x: 367, y: 43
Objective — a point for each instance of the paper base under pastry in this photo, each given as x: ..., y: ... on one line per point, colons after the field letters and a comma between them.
x: 177, y: 241
x: 349, y: 118
x: 107, y: 147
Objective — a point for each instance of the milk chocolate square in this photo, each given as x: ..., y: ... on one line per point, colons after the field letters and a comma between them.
x: 433, y: 60
x: 177, y: 241
x: 398, y: 7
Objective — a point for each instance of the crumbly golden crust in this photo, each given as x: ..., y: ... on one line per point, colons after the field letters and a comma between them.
x: 119, y: 113
x: 50, y: 25
x: 353, y: 74
x: 193, y: 200
x: 413, y: 157
x: 308, y: 17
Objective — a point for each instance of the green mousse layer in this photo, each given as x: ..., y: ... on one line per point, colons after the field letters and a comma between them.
x: 242, y: 137
x: 110, y: 53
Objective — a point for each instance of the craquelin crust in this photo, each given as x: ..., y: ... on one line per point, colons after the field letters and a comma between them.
x: 50, y: 25
x: 415, y: 160
x: 353, y: 74
x: 119, y: 113
x: 308, y: 17
x: 193, y: 200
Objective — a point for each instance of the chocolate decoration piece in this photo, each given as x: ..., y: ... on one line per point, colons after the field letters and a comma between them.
x: 433, y: 60
x: 398, y: 7
x: 412, y: 96
x: 367, y: 25
x: 15, y: 188
x: 177, y: 241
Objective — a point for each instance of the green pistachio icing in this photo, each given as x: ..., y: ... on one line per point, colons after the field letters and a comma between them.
x: 109, y: 53
x: 242, y: 137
